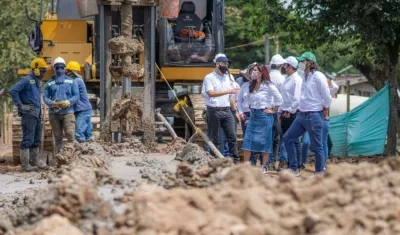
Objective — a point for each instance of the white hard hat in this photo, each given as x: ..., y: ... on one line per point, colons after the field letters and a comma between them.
x: 59, y: 60
x: 277, y: 60
x: 292, y: 61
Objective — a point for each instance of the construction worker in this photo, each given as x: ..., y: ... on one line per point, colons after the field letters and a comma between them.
x: 83, y: 108
x: 60, y: 94
x: 26, y: 96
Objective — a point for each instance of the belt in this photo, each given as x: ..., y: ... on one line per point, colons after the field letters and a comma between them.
x: 310, y: 112
x: 261, y: 109
x: 219, y: 108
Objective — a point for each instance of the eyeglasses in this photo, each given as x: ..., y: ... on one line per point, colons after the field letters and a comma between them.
x: 59, y: 67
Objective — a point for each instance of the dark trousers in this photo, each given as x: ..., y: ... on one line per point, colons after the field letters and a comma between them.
x: 31, y: 130
x: 222, y: 117
x: 62, y: 123
x: 285, y: 124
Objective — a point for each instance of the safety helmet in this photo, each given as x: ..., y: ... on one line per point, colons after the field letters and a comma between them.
x: 73, y: 66
x: 38, y: 63
x: 277, y: 60
x: 59, y: 60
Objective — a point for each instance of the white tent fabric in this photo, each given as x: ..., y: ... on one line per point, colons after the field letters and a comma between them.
x: 339, y: 104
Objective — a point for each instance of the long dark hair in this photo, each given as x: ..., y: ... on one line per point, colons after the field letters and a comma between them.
x: 264, y: 77
x: 312, y: 67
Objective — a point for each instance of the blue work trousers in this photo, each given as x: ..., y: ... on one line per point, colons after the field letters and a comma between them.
x: 305, y: 145
x: 83, y: 126
x: 31, y: 131
x: 313, y: 123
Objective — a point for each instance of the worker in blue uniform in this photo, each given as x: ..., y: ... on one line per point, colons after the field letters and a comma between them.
x: 82, y: 108
x: 26, y: 96
x: 60, y: 94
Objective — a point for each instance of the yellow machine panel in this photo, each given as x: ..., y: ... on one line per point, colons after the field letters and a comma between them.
x: 64, y: 30
x: 185, y: 73
x: 80, y: 52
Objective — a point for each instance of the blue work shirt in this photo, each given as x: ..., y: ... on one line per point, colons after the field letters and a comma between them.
x: 27, y: 91
x: 83, y: 103
x: 59, y: 90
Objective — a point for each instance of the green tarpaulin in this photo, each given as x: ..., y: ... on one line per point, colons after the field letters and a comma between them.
x: 365, y: 127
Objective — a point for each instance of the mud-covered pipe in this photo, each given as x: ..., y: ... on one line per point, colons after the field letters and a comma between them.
x: 208, y: 142
x: 166, y: 124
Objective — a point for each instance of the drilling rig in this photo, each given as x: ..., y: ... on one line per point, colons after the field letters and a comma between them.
x: 127, y: 48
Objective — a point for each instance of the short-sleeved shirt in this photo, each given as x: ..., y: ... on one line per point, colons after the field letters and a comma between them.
x: 215, y: 82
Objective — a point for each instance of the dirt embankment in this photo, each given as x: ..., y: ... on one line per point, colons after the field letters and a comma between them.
x: 361, y: 199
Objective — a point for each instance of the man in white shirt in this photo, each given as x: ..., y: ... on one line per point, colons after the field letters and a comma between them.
x: 217, y: 91
x: 315, y: 100
x: 290, y: 91
x: 277, y: 78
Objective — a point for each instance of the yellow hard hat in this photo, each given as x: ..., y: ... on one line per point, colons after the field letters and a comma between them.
x: 38, y: 63
x: 73, y: 66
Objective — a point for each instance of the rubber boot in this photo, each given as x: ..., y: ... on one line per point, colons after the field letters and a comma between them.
x: 24, y: 156
x: 35, y: 159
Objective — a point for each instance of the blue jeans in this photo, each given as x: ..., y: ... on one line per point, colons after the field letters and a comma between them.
x: 83, y: 126
x: 305, y: 145
x: 313, y: 123
x: 325, y: 131
x: 31, y: 130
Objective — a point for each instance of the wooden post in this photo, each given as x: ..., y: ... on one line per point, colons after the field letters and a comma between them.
x: 348, y: 95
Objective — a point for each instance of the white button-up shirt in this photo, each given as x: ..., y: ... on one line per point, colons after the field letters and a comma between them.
x: 315, y: 94
x: 277, y: 78
x: 291, y: 91
x: 267, y: 96
x: 215, y: 82
x: 333, y: 89
x: 243, y: 98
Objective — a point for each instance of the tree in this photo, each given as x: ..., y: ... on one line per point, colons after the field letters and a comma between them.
x: 14, y: 48
x: 374, y: 27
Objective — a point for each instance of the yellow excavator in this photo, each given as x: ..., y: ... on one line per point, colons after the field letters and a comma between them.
x: 183, y: 57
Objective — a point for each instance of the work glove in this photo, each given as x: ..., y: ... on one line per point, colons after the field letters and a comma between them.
x: 65, y: 104
x: 26, y: 107
x: 56, y: 105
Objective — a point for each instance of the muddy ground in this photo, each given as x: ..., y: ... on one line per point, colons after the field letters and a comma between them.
x: 124, y: 189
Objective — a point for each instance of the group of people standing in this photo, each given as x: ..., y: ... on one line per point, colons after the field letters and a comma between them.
x: 70, y: 110
x: 277, y: 105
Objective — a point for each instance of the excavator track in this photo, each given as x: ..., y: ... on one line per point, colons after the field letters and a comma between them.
x: 197, y: 104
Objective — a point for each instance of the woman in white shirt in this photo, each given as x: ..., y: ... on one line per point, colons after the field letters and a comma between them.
x: 264, y: 99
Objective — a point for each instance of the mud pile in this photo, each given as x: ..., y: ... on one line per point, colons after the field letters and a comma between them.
x: 55, y: 224
x: 361, y: 199
x: 176, y: 146
x: 186, y: 176
x: 131, y: 147
x: 72, y: 196
x: 194, y: 155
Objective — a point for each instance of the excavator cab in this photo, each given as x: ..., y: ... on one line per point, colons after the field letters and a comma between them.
x: 195, y: 36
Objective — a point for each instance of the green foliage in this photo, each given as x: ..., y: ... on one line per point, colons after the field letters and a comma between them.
x: 15, y: 51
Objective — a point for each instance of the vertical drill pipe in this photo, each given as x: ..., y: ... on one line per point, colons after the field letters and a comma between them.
x: 102, y: 64
x: 107, y: 73
x: 148, y: 92
x: 153, y: 57
x: 126, y: 31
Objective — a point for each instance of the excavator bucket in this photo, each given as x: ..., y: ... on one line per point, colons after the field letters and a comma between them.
x: 87, y: 8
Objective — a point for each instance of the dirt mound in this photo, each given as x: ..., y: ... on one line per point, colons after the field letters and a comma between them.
x: 187, y: 177
x: 131, y: 147
x: 194, y: 155
x: 73, y: 196
x: 55, y: 224
x: 361, y: 199
x: 90, y: 155
x: 175, y: 146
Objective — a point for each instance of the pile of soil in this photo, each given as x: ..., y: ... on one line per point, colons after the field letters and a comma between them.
x: 176, y: 146
x: 194, y: 155
x: 73, y: 196
x: 84, y: 155
x: 131, y: 147
x: 349, y: 199
x: 186, y: 176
